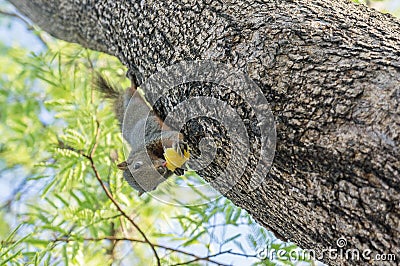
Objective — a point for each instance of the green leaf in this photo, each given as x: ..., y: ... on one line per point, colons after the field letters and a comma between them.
x: 194, y: 239
x: 230, y: 239
x: 37, y: 242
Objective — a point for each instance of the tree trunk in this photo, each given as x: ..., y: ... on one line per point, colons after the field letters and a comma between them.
x: 331, y: 74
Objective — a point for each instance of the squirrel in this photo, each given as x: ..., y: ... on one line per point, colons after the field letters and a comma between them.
x: 155, y: 154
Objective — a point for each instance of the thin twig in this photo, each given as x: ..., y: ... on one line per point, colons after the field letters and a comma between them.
x: 206, y: 258
x: 116, y: 204
x: 30, y: 27
x: 107, y: 191
x: 18, y: 190
x: 15, y: 15
x: 116, y: 239
x: 111, y: 249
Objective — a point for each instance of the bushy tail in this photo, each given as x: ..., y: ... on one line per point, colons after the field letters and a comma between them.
x: 119, y: 97
x: 106, y: 88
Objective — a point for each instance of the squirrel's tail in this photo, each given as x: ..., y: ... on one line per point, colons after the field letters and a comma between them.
x: 119, y: 97
x: 104, y: 86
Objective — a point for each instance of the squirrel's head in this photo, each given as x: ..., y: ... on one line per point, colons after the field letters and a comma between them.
x: 143, y: 174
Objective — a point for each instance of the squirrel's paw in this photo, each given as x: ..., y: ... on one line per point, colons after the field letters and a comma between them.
x: 182, y: 148
x: 179, y: 171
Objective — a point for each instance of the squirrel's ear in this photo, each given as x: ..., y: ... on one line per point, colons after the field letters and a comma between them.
x: 140, y: 193
x: 122, y: 166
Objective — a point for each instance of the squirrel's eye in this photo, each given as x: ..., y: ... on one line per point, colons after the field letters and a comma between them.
x: 137, y: 165
x: 161, y: 169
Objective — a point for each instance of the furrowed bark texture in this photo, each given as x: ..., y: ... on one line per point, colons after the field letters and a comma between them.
x: 331, y: 73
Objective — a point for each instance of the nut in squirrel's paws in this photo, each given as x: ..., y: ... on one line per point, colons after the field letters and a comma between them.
x: 176, y: 157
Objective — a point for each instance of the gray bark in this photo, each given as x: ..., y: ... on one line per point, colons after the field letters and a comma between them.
x: 331, y: 73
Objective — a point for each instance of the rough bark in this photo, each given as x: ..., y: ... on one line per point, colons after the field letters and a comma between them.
x: 331, y: 73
